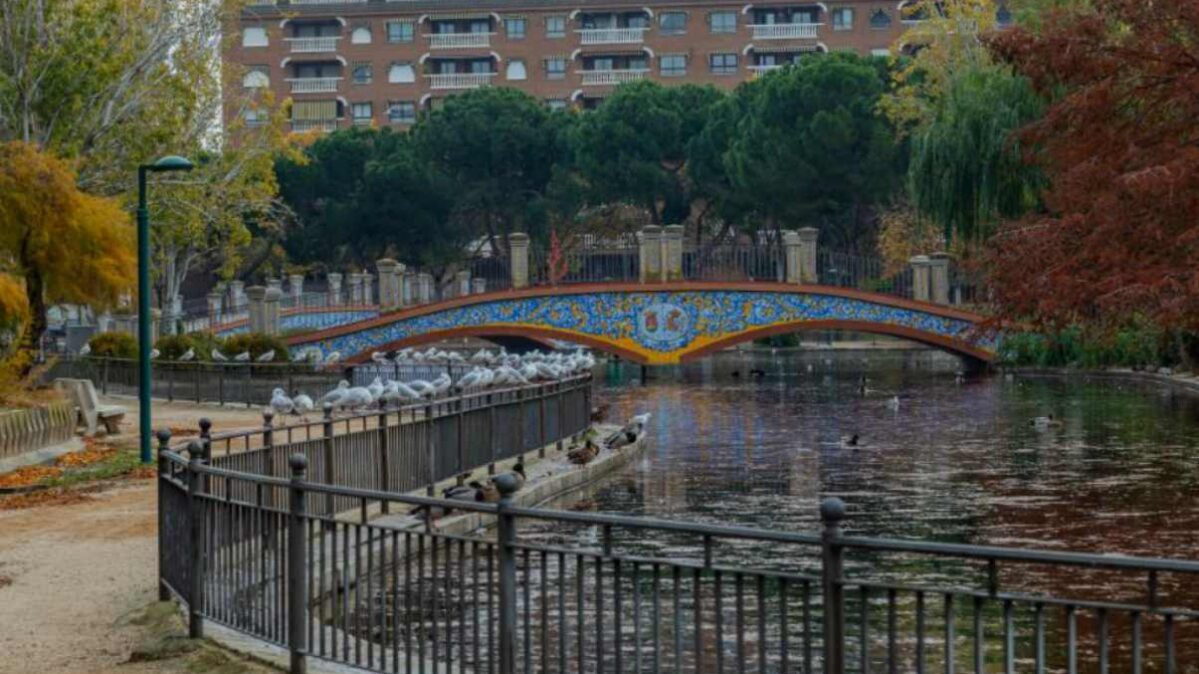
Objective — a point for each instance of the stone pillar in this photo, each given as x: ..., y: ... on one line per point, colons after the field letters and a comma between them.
x: 295, y: 284
x: 237, y: 296
x: 808, y: 237
x: 672, y: 253
x: 408, y: 288
x: 273, y: 298
x: 256, y: 295
x: 462, y: 283
x: 334, y: 289
x: 355, y: 288
x: 921, y: 283
x: 214, y: 308
x: 389, y: 291
x: 792, y: 257
x: 518, y: 249
x: 938, y: 278
x: 368, y: 288
x: 424, y: 288
x: 478, y: 286
x: 651, y: 253
x: 155, y: 324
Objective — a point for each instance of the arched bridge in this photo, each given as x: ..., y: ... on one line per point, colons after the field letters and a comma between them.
x: 660, y: 323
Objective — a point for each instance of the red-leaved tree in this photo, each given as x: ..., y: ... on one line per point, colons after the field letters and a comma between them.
x: 1120, y: 141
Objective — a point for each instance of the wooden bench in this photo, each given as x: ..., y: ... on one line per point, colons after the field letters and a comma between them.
x: 92, y: 413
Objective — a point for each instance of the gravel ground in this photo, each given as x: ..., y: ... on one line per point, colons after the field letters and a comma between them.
x: 73, y: 577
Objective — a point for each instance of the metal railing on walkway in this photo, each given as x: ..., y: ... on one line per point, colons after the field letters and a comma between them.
x: 260, y: 552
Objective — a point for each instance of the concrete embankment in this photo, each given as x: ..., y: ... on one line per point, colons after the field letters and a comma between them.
x: 1181, y: 382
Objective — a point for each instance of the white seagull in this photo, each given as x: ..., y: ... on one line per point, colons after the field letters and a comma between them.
x: 219, y: 357
x: 266, y: 357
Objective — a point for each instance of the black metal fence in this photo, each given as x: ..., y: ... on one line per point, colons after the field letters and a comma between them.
x: 261, y: 553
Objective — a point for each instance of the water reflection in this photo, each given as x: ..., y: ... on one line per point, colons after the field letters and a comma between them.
x: 951, y: 463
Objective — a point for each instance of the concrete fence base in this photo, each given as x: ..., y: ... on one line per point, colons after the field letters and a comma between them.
x: 28, y: 430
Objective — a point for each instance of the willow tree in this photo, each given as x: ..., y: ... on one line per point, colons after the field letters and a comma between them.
x: 967, y: 168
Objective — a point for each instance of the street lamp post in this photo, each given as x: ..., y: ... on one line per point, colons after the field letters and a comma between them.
x: 168, y: 163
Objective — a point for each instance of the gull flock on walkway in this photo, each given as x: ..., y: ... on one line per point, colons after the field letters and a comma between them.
x: 491, y: 370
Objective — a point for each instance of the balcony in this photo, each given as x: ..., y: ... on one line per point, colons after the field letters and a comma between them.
x: 762, y: 69
x: 459, y: 40
x: 785, y: 31
x: 459, y: 80
x: 599, y: 78
x: 313, y: 85
x: 313, y: 45
x: 314, y: 125
x: 612, y: 35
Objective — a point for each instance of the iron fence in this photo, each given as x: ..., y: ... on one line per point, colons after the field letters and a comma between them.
x: 614, y: 265
x: 361, y: 586
x: 762, y: 262
x: 248, y: 383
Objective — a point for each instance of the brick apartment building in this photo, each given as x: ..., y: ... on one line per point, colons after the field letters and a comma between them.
x: 384, y: 61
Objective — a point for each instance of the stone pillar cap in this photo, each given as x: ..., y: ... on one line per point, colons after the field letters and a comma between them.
x: 386, y: 263
x: 919, y: 259
x: 334, y: 274
x: 673, y: 229
x: 215, y: 294
x: 790, y: 237
x: 518, y: 238
x: 941, y: 255
x: 272, y: 294
x: 651, y: 229
x: 256, y: 292
x: 808, y: 233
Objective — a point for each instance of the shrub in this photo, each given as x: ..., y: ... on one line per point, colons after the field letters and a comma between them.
x: 171, y: 347
x: 257, y: 344
x: 113, y: 345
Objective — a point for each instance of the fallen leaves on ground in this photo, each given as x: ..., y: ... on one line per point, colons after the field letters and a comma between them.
x: 143, y: 473
x: 30, y: 475
x: 5, y: 581
x: 85, y: 457
x: 49, y: 497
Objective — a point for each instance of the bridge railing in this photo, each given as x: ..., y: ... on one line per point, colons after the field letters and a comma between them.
x: 559, y: 591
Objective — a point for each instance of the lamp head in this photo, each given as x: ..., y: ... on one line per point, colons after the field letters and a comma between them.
x: 171, y: 162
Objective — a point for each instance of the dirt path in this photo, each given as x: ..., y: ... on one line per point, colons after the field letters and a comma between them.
x: 76, y: 578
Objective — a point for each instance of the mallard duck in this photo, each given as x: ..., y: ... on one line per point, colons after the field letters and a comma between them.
x: 582, y: 456
x: 854, y: 440
x: 1044, y: 422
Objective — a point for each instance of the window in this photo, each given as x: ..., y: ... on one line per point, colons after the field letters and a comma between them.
x: 556, y: 103
x: 400, y: 31
x: 555, y: 26
x: 516, y: 70
x: 880, y: 19
x: 673, y: 65
x: 363, y: 73
x: 361, y: 35
x: 361, y: 113
x: 481, y: 67
x: 401, y: 73
x: 515, y: 28
x: 401, y: 112
x: 910, y: 12
x: 722, y: 64
x: 254, y: 117
x: 256, y: 77
x: 555, y: 68
x: 843, y: 18
x: 254, y: 36
x: 722, y: 22
x: 673, y: 23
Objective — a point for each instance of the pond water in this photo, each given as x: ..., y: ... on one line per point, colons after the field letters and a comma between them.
x: 950, y: 462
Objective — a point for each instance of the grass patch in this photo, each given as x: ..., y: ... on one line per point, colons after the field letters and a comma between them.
x: 120, y: 462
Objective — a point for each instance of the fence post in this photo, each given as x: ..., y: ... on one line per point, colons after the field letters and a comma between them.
x: 195, y: 518
x: 430, y: 450
x: 808, y: 242
x: 505, y: 539
x: 327, y: 449
x: 268, y: 450
x: 297, y: 566
x: 541, y: 424
x: 938, y: 278
x: 832, y: 511
x: 921, y: 281
x: 384, y: 460
x: 518, y: 262
x: 164, y: 441
x: 491, y: 439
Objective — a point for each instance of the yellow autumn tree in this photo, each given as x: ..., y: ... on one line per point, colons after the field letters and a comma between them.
x: 63, y: 245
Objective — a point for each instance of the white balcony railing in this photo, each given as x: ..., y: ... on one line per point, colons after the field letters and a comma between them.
x: 308, y: 45
x: 314, y: 125
x: 610, y: 77
x: 459, y: 80
x: 459, y: 40
x: 612, y: 35
x: 313, y: 85
x: 763, y: 69
x: 785, y: 31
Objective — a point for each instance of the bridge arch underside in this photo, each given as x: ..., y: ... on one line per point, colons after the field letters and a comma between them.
x: 660, y: 324
x: 526, y: 336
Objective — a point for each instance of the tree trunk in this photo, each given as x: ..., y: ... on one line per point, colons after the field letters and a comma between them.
x: 31, y: 339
